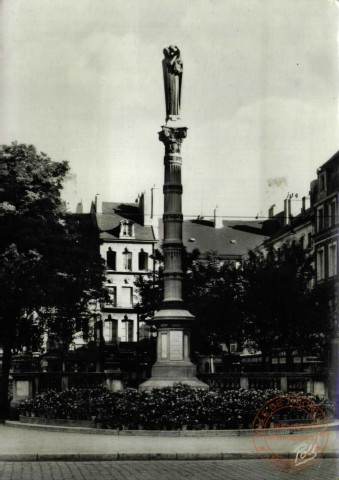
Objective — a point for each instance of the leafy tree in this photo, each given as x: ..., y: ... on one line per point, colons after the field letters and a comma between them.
x: 150, y: 287
x: 270, y: 303
x: 214, y: 299
x: 48, y: 266
x: 209, y: 292
x: 281, y: 308
x: 77, y: 279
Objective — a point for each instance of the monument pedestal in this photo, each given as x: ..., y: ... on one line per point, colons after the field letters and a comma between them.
x: 173, y: 364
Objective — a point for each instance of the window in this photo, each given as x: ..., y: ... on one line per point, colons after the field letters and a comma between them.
x: 126, y: 228
x: 130, y: 330
x: 127, y: 296
x: 302, y: 241
x: 332, y: 259
x: 320, y: 219
x: 322, y: 182
x: 309, y: 239
x: 127, y: 260
x: 320, y: 264
x: 143, y: 260
x: 112, y: 296
x: 98, y: 330
x: 111, y: 259
x: 332, y: 213
x: 112, y: 329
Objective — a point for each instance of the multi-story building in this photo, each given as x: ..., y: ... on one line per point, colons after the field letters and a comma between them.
x: 315, y: 227
x: 127, y: 237
x: 284, y: 227
x: 325, y: 200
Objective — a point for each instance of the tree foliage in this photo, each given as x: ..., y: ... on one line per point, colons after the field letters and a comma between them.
x: 269, y: 303
x: 209, y: 291
x: 49, y: 266
x: 282, y: 308
x: 150, y: 287
x: 213, y: 298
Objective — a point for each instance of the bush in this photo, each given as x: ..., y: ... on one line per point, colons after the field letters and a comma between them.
x: 169, y: 407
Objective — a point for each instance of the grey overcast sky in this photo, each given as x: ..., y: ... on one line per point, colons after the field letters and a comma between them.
x: 82, y: 81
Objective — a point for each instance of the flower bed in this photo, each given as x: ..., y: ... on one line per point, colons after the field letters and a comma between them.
x: 166, y: 408
x: 57, y: 422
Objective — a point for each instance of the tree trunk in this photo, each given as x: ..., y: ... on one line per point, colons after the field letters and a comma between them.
x: 4, y: 390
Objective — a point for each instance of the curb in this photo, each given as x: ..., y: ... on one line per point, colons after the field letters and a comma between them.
x: 129, y: 433
x: 146, y: 433
x: 89, y: 457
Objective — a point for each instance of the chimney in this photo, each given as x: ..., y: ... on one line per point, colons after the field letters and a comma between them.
x: 80, y: 208
x: 286, y: 212
x: 271, y: 211
x: 217, y: 220
x: 147, y: 207
x: 96, y: 204
x: 289, y: 210
x: 303, y: 205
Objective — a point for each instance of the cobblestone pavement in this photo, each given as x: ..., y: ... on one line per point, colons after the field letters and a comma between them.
x: 326, y: 469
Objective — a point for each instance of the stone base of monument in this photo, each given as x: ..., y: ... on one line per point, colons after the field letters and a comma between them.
x: 169, y: 374
x: 173, y: 363
x: 158, y: 383
x: 161, y: 383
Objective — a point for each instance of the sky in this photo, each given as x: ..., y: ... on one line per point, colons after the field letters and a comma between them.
x: 82, y: 81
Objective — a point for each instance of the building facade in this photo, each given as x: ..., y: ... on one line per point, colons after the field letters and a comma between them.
x: 325, y: 201
x: 127, y: 238
x: 315, y: 228
x: 325, y: 198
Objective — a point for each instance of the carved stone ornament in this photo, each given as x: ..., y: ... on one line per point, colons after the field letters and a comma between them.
x: 172, y: 138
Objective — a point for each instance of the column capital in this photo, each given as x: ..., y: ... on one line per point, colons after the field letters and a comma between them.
x: 172, y: 138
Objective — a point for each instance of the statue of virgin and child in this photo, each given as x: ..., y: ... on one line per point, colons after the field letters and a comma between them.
x: 172, y: 68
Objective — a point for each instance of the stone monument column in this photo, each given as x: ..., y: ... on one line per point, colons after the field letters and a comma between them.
x: 173, y: 320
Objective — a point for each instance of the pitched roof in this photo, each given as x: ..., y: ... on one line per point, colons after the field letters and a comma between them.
x: 334, y: 158
x: 303, y: 218
x: 233, y: 240
x: 113, y: 213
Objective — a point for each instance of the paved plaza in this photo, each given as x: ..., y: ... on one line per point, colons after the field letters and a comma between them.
x: 326, y: 469
x: 32, y: 444
x: 31, y: 454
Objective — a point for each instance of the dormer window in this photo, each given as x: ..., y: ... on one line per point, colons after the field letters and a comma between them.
x: 126, y: 229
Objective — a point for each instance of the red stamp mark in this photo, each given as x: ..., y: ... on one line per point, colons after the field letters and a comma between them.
x: 290, y: 432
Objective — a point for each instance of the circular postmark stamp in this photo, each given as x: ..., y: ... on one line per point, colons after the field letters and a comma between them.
x: 290, y: 432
